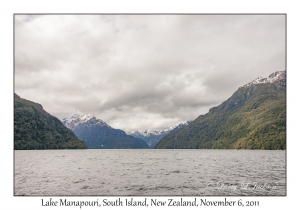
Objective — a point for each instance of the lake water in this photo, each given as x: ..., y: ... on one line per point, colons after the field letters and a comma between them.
x: 149, y: 172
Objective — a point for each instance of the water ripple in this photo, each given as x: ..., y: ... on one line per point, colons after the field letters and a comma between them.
x: 150, y: 172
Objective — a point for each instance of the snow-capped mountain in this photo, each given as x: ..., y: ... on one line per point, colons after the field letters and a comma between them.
x: 278, y: 76
x: 77, y: 120
x: 147, y: 133
x: 153, y: 137
x: 99, y: 135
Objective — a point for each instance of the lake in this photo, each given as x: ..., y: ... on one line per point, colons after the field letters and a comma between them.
x: 150, y: 172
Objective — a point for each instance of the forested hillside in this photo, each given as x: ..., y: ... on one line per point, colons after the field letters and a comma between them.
x: 34, y: 128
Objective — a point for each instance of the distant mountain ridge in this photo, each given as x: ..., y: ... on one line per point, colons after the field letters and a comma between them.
x: 254, y: 117
x: 99, y: 135
x: 153, y: 137
x: 34, y: 128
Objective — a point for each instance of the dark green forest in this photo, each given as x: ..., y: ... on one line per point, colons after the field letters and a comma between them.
x: 252, y: 118
x: 35, y: 129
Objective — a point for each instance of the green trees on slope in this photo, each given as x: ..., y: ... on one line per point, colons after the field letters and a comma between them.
x: 252, y: 118
x: 34, y: 128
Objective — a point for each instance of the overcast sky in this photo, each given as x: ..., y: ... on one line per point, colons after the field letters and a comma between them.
x: 140, y: 72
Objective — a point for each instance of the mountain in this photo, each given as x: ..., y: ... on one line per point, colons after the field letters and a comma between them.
x: 34, y: 128
x: 99, y: 135
x: 153, y: 137
x: 254, y: 117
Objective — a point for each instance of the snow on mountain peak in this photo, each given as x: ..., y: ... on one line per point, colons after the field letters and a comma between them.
x: 76, y: 120
x: 147, y: 133
x: 272, y: 78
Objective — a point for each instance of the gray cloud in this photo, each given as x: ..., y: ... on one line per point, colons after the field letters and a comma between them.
x: 142, y: 71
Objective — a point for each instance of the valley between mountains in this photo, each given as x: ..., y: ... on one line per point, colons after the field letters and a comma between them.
x: 254, y: 117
